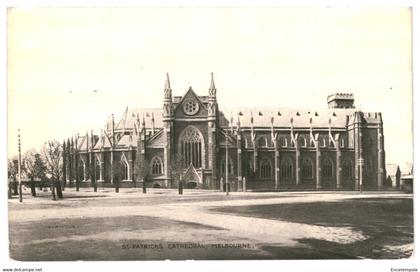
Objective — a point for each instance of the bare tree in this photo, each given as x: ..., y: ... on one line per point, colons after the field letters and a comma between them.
x: 51, y: 153
x: 141, y: 171
x: 34, y: 167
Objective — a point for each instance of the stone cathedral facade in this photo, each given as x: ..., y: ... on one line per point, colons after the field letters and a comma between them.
x: 267, y: 148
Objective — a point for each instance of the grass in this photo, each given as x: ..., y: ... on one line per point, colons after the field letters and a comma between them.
x: 93, y: 239
x: 388, y: 223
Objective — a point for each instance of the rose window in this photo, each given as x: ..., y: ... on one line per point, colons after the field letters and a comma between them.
x: 191, y: 107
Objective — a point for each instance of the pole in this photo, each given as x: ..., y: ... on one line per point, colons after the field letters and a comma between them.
x: 19, y: 170
x: 361, y: 163
x: 227, y: 168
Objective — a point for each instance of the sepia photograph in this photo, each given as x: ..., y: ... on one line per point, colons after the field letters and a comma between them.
x: 209, y: 133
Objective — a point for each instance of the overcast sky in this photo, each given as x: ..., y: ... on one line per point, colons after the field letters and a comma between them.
x: 274, y: 57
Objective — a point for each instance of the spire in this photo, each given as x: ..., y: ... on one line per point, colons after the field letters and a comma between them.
x: 167, y: 90
x: 212, y: 89
x: 167, y: 83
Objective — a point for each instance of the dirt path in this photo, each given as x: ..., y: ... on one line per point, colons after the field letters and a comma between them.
x: 255, y: 229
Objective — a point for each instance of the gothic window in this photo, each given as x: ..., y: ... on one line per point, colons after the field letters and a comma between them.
x: 286, y: 169
x: 347, y: 169
x: 156, y: 166
x: 98, y: 174
x: 327, y: 168
x: 323, y: 142
x: 191, y: 147
x: 223, y: 166
x: 123, y: 170
x: 302, y: 141
x: 342, y: 142
x: 283, y: 141
x: 265, y: 168
x: 262, y: 142
x: 307, y: 168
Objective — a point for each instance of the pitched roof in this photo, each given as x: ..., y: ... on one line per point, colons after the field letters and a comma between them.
x: 103, y: 142
x: 282, y: 117
x: 129, y: 118
x: 125, y: 141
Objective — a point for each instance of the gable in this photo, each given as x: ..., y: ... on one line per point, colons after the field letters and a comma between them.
x: 157, y: 140
x: 190, y: 106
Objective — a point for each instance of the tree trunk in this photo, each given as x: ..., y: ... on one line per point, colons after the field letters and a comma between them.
x: 15, y: 187
x: 33, y: 187
x: 180, y: 188
x: 144, y: 185
x: 9, y: 191
x: 95, y: 186
x: 59, y: 191
x: 117, y: 184
x: 53, y: 190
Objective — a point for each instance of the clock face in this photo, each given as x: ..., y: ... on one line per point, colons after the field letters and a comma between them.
x: 191, y: 107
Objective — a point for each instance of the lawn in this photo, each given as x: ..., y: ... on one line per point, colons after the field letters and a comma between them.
x: 388, y: 223
x: 133, y: 226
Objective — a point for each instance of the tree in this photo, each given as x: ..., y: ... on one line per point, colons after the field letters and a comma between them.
x: 12, y: 171
x: 52, y: 155
x: 34, y: 168
x: 177, y: 171
x: 141, y: 171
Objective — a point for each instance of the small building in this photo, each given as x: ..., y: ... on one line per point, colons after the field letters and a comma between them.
x: 407, y: 183
x: 393, y: 175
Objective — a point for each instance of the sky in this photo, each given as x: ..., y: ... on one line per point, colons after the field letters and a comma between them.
x: 71, y: 68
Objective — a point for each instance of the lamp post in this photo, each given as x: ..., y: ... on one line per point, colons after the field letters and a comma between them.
x: 227, y: 167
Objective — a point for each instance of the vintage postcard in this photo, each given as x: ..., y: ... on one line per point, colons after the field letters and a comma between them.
x: 209, y: 133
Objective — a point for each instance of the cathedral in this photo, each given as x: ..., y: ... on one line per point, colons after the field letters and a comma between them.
x: 332, y: 148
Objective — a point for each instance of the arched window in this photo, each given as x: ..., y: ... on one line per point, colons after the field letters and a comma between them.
x: 262, y: 142
x: 327, y: 168
x: 286, y: 169
x: 98, y: 172
x: 123, y: 170
x: 347, y: 169
x: 223, y: 166
x: 265, y: 168
x: 302, y: 141
x: 307, y: 168
x: 191, y: 147
x: 283, y: 141
x: 156, y: 166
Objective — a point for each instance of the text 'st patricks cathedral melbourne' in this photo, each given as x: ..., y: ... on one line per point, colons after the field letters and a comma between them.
x: 268, y: 148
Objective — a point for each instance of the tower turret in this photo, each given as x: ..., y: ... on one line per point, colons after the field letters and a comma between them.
x: 212, y: 109
x: 167, y: 100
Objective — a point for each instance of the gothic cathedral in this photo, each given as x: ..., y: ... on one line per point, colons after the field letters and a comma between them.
x: 337, y: 147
